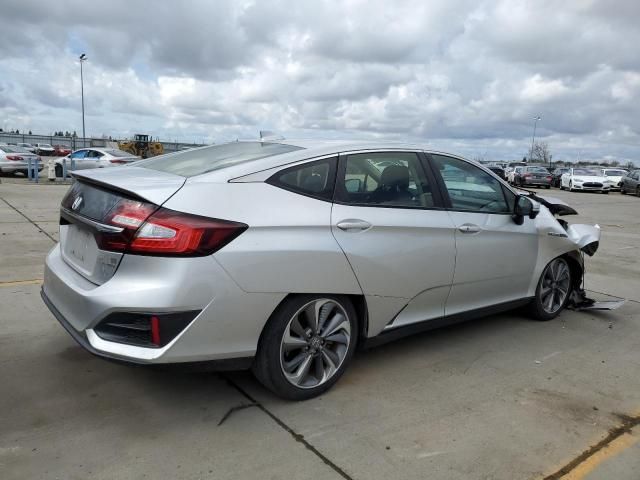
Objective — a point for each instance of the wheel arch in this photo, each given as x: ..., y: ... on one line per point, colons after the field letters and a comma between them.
x: 359, y: 303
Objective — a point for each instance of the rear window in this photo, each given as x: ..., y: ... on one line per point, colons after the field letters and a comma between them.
x: 202, y: 160
x: 537, y: 170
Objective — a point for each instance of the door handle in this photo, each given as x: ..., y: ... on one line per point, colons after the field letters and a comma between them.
x: 353, y: 225
x: 469, y: 228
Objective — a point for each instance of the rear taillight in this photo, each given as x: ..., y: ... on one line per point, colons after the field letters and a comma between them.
x: 549, y: 178
x: 14, y: 157
x: 117, y: 162
x: 149, y: 230
x: 527, y: 175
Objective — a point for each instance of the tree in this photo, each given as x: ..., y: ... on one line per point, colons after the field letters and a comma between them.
x: 17, y: 131
x: 30, y: 132
x: 541, y: 153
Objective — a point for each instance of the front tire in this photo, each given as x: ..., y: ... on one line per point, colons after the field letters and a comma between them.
x: 307, y: 345
x: 553, y: 290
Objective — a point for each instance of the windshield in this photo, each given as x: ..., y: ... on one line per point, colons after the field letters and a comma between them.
x: 45, y: 145
x: 202, y: 160
x: 537, y: 170
x: 615, y: 173
x: 117, y: 153
x: 585, y: 171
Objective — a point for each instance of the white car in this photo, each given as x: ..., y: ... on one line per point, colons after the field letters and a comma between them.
x: 615, y: 175
x: 87, y: 158
x: 27, y: 146
x: 16, y: 159
x: 44, y: 149
x: 284, y: 257
x: 586, y: 179
x: 511, y: 176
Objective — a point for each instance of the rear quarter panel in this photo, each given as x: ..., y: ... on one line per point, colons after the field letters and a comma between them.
x: 288, y: 247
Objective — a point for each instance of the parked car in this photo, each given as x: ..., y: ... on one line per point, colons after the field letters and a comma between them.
x: 14, y: 159
x: 630, y: 183
x: 498, y: 171
x: 532, y: 176
x: 27, y: 146
x: 44, y: 149
x: 285, y: 256
x: 557, y: 173
x: 61, y: 150
x: 615, y: 175
x: 585, y: 179
x: 86, y: 158
x: 511, y: 176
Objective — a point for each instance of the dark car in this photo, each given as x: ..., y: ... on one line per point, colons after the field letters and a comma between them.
x: 498, y: 171
x: 557, y: 174
x: 631, y: 183
x: 533, y: 176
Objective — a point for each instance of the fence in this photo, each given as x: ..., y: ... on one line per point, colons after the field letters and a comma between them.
x: 76, y: 142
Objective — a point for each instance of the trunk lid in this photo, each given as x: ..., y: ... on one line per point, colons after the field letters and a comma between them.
x: 88, y: 203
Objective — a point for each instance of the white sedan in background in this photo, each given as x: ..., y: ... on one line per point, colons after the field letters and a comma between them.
x: 86, y: 158
x: 586, y: 179
x: 615, y: 175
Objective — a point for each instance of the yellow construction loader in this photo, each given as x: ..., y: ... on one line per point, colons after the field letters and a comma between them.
x: 141, y: 146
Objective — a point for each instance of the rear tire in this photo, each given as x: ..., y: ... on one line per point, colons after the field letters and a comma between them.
x: 58, y: 169
x: 306, y: 345
x: 553, y: 290
x: 622, y: 191
x: 637, y: 191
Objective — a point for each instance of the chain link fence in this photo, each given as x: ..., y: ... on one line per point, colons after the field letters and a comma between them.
x: 75, y: 143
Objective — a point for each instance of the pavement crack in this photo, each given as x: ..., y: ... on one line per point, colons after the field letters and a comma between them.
x: 296, y: 436
x: 626, y: 425
x: 30, y: 221
x: 242, y: 406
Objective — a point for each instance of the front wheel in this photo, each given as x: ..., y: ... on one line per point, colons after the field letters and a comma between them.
x: 307, y: 345
x: 553, y: 291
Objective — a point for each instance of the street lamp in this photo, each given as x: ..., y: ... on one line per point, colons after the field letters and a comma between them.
x: 533, y: 138
x: 83, y: 58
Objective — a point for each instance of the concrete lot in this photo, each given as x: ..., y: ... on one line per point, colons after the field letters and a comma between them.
x: 498, y: 398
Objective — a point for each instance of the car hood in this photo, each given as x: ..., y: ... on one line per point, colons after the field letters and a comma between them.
x: 555, y: 205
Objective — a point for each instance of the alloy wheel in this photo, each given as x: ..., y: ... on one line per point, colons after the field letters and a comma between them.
x: 555, y: 286
x: 315, y: 343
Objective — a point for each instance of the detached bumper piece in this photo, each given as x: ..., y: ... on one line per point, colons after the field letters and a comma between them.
x: 150, y: 330
x: 579, y: 302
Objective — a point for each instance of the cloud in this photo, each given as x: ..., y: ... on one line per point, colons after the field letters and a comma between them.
x: 466, y: 76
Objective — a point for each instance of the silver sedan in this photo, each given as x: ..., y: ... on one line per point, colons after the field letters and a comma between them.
x: 15, y: 159
x: 285, y: 256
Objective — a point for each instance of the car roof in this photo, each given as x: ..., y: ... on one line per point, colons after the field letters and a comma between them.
x: 308, y: 150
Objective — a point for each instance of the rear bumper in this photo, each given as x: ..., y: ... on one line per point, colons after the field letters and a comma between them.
x: 533, y: 181
x: 240, y: 363
x: 228, y: 326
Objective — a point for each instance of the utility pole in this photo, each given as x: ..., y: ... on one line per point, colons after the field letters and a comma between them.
x: 533, y: 138
x: 83, y: 58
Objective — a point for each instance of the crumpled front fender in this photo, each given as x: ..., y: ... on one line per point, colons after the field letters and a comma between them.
x: 586, y: 237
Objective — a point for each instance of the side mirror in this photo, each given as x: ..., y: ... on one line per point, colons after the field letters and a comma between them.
x: 353, y: 185
x: 525, y: 207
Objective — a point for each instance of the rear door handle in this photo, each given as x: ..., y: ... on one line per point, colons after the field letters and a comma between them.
x: 469, y: 228
x: 353, y: 225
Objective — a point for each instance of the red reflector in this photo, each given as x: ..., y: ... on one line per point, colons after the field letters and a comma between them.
x: 155, y: 330
x: 117, y: 162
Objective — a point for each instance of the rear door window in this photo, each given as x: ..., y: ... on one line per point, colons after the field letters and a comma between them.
x: 388, y: 179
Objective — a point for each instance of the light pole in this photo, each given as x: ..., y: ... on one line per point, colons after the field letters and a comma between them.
x: 83, y: 58
x: 533, y: 138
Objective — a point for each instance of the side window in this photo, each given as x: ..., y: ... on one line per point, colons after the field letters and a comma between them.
x: 391, y: 179
x: 94, y: 154
x: 79, y: 154
x: 469, y: 187
x: 315, y: 179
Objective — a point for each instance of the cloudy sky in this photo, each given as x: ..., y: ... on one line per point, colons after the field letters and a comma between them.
x: 465, y: 76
